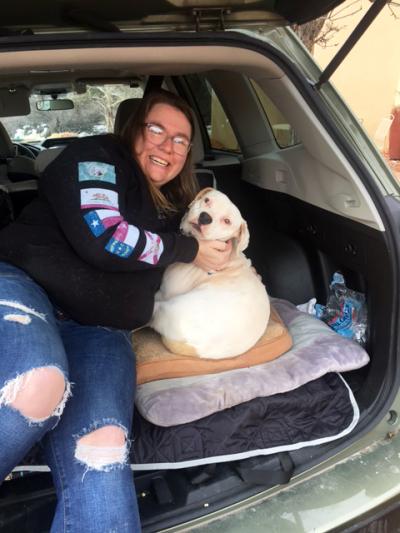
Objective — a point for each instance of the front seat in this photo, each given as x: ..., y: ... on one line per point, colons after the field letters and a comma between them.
x: 18, y: 179
x: 14, y: 167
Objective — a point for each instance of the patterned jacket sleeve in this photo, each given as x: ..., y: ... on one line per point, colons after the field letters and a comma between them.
x: 86, y: 186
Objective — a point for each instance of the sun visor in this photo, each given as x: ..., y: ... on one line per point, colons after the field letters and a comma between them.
x: 14, y: 102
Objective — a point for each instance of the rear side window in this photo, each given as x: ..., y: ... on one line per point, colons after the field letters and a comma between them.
x: 283, y: 131
x: 219, y: 130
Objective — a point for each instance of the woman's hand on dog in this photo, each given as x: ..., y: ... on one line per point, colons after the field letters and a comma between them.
x: 213, y: 255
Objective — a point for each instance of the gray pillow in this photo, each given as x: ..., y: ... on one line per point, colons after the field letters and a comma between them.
x: 316, y: 350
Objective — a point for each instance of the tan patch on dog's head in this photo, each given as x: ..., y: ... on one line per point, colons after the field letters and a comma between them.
x: 201, y: 194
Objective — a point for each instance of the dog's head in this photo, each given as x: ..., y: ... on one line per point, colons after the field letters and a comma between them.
x: 212, y: 216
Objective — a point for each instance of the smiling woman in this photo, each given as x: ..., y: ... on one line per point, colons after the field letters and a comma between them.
x: 162, y: 147
x: 102, y: 237
x: 157, y: 153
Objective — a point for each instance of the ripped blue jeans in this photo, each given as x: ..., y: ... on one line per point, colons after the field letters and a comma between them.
x: 93, y: 480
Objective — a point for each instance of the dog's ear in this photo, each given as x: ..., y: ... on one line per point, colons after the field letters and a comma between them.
x: 200, y: 195
x: 241, y: 241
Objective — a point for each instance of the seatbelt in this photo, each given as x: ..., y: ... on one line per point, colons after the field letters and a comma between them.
x: 153, y: 83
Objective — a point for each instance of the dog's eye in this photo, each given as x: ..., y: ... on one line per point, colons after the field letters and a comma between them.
x: 227, y: 221
x: 206, y: 200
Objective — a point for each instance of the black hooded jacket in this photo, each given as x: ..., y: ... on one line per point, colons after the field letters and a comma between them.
x: 93, y: 238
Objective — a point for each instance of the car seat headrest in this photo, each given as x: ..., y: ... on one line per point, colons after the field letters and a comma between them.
x: 125, y: 110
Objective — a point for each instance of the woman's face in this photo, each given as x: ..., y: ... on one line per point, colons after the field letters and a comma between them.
x: 159, y: 161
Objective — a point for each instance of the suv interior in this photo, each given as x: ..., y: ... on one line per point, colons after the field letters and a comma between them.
x: 288, y: 155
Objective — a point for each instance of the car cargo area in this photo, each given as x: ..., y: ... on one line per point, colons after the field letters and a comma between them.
x: 296, y: 254
x: 311, y: 208
x: 296, y: 264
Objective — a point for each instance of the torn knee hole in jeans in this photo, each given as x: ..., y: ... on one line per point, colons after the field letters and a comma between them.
x: 11, y: 388
x: 100, y: 456
x: 23, y: 315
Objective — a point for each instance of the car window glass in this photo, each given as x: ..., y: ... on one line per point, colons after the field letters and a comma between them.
x: 93, y: 113
x: 283, y: 131
x: 220, y: 133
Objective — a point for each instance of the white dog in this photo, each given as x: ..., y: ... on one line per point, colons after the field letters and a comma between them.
x: 212, y: 314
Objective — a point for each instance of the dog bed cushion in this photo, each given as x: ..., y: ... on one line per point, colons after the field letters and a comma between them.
x: 318, y: 412
x: 154, y: 361
x: 316, y: 350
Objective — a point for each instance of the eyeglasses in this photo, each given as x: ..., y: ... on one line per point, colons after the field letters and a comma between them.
x: 157, y: 135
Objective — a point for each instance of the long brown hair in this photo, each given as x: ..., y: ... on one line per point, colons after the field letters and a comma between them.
x: 179, y: 192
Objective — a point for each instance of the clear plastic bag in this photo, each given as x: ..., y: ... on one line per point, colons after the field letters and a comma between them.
x: 345, y: 311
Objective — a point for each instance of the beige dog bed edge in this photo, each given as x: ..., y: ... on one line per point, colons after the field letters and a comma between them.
x: 154, y: 361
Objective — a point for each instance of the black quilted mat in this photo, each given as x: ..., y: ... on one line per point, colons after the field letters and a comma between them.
x: 317, y: 412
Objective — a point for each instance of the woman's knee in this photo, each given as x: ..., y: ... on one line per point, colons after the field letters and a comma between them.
x: 103, y: 448
x: 37, y: 394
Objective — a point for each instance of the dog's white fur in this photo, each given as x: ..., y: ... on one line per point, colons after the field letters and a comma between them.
x: 212, y: 314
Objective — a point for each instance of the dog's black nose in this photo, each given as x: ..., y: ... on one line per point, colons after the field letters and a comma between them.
x: 204, y: 218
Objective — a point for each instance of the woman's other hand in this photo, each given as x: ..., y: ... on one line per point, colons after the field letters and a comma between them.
x: 213, y: 255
